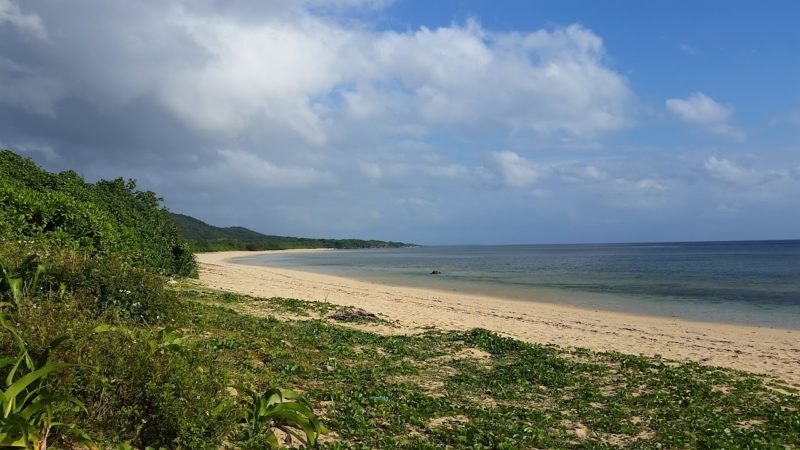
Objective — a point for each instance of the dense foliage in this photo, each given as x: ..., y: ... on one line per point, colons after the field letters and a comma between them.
x: 208, y: 238
x: 129, y: 368
x: 108, y: 217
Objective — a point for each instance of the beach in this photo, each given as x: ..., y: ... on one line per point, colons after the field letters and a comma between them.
x: 763, y: 350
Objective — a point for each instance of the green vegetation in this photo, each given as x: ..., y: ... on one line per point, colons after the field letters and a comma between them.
x: 108, y: 217
x: 280, y: 409
x: 28, y: 406
x: 475, y: 389
x: 131, y: 353
x: 204, y: 378
x: 208, y: 238
x: 98, y: 350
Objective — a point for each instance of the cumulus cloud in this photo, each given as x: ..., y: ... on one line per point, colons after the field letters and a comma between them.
x: 275, y: 80
x: 463, y: 75
x: 302, y: 72
x: 272, y: 113
x: 701, y: 110
x: 514, y: 170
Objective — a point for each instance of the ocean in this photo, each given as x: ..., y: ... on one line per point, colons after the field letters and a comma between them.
x: 745, y: 282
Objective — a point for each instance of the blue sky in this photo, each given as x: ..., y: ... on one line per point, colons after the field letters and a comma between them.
x: 431, y: 122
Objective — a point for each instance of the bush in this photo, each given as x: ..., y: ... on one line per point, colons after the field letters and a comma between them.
x: 144, y: 385
x: 30, y: 410
x: 109, y: 217
x: 112, y: 288
x: 153, y: 394
x: 108, y: 287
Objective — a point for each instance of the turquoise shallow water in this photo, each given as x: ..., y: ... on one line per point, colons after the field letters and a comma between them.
x: 748, y: 282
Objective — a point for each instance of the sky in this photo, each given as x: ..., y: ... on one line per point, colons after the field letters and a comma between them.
x: 446, y: 122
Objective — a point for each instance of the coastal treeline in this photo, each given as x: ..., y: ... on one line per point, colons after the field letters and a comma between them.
x: 62, y: 210
x: 208, y: 238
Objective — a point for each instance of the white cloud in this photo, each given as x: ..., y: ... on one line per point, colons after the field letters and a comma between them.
x: 29, y: 23
x: 544, y: 81
x: 701, y: 110
x: 514, y: 170
x: 371, y: 170
x: 246, y: 167
x: 291, y: 72
x: 726, y: 170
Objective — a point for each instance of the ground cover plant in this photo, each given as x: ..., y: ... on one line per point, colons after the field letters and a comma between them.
x: 476, y: 389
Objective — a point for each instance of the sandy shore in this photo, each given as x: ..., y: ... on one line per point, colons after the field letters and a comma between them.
x: 762, y: 350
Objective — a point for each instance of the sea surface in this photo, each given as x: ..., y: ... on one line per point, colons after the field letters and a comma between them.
x: 745, y: 282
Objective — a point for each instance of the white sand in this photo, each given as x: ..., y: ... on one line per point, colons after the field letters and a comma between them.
x: 756, y: 349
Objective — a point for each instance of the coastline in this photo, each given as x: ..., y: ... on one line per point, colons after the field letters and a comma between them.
x: 770, y: 351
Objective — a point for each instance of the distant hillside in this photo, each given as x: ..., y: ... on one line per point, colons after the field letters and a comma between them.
x: 208, y: 238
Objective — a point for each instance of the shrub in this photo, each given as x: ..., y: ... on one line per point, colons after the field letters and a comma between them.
x: 29, y: 408
x: 108, y: 217
x: 156, y: 395
x: 113, y: 288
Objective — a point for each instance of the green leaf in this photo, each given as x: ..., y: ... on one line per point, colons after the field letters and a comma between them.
x: 13, y: 371
x: 102, y: 329
x: 20, y: 385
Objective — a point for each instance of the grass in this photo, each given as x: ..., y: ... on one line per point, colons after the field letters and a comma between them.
x: 476, y: 389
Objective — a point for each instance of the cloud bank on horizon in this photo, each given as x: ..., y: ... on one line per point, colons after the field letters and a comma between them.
x: 356, y: 118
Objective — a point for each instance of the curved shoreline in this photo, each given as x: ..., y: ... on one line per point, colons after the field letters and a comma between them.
x: 763, y: 350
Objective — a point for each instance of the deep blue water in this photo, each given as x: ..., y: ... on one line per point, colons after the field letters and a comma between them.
x: 750, y: 282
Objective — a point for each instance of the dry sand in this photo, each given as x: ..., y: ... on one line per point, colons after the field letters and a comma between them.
x: 755, y: 349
